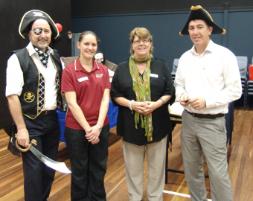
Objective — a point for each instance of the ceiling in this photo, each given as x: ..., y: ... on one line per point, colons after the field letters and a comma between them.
x: 81, y: 8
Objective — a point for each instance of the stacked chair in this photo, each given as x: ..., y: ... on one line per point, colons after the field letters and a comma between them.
x: 174, y: 68
x: 243, y: 67
x: 250, y: 85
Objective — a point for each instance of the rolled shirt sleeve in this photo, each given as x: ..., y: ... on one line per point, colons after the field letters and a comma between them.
x: 14, y: 77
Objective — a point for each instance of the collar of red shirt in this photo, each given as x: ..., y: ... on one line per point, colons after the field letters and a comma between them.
x: 78, y: 66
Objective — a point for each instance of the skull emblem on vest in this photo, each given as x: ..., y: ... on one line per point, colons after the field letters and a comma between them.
x: 29, y: 96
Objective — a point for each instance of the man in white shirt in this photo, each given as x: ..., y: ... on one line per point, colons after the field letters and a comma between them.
x: 207, y: 80
x: 33, y: 93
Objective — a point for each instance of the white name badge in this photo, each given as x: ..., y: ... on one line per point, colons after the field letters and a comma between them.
x: 81, y: 79
x: 153, y: 75
x: 99, y: 75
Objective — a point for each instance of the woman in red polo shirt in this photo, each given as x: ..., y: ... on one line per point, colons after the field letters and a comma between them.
x: 86, y: 86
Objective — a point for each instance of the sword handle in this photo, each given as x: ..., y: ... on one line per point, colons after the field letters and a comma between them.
x: 26, y: 148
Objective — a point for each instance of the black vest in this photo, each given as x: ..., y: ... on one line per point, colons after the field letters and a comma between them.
x: 32, y: 98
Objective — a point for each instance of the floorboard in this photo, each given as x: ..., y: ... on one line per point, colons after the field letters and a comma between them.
x: 240, y: 168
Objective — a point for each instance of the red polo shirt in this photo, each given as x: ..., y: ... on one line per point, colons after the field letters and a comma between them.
x: 89, y: 88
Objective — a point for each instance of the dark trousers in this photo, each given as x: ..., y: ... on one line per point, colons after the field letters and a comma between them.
x: 88, y: 165
x: 38, y: 178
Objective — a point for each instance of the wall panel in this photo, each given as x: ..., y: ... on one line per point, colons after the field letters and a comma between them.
x: 114, y: 32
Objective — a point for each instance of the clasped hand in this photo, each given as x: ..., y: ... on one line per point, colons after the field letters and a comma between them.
x: 93, y: 134
x: 197, y: 103
x: 144, y: 108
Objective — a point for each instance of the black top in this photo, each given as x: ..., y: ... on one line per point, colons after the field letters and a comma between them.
x: 161, y: 84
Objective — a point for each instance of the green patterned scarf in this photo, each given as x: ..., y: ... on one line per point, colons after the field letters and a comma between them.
x: 141, y: 87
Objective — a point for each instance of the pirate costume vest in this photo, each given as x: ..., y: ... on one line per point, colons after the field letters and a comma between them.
x: 32, y: 98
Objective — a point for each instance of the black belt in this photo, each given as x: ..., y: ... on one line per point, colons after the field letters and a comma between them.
x: 47, y: 112
x: 206, y: 116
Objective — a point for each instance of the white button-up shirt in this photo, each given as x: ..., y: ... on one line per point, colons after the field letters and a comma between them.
x: 15, y: 79
x: 213, y: 75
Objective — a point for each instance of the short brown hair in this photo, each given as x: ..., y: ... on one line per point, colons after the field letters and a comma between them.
x: 142, y: 33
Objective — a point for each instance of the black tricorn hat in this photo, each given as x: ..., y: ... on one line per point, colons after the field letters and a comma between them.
x: 198, y: 12
x: 30, y: 16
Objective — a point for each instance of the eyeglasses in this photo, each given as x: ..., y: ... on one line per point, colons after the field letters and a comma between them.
x: 145, y: 41
x: 38, y: 31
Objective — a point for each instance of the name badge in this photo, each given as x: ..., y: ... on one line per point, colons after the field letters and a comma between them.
x: 153, y: 75
x: 99, y: 75
x: 81, y: 79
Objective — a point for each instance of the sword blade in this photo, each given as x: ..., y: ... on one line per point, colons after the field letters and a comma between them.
x: 58, y: 166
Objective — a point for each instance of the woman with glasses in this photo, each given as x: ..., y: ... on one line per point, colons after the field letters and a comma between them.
x: 142, y: 88
x: 86, y: 88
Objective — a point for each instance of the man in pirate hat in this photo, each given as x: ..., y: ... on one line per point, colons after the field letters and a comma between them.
x: 33, y: 94
x: 207, y: 80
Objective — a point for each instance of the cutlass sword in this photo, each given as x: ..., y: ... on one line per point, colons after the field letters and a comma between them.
x: 58, y: 166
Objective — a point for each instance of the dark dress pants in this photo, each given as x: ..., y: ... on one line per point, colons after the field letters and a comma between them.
x: 38, y: 178
x: 88, y: 165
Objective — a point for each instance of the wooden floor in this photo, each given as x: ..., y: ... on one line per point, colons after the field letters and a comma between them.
x: 240, y: 169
